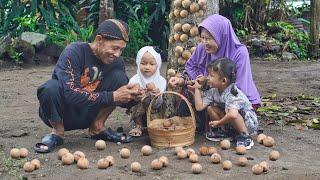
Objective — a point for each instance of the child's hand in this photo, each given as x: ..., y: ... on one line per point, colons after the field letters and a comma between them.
x: 156, y: 91
x: 214, y: 123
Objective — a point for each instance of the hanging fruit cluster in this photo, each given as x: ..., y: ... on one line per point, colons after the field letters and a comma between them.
x: 184, y: 15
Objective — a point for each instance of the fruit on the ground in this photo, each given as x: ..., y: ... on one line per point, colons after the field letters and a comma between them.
x: 242, y: 161
x: 182, y: 154
x: 215, y: 158
x: 23, y: 152
x: 177, y: 149
x: 227, y: 165
x: 203, y: 150
x: 260, y: 138
x: 135, y: 167
x: 101, y: 145
x: 265, y: 166
x: 28, y: 167
x: 164, y: 160
x: 274, y: 155
x: 190, y: 151
x: 225, y: 144
x: 36, y: 163
x: 257, y: 169
x: 61, y: 152
x: 146, y: 150
x: 193, y: 158
x: 241, y: 150
x: 83, y: 163
x: 67, y: 159
x: 15, y: 153
x: 111, y: 160
x: 268, y: 141
x: 196, y: 168
x: 77, y: 155
x: 156, y: 164
x: 103, y: 163
x: 125, y: 153
x: 212, y: 150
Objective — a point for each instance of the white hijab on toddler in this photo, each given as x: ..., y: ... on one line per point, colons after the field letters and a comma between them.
x: 159, y: 81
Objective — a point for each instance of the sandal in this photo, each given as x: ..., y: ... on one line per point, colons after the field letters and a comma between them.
x: 136, y: 131
x: 110, y: 135
x: 49, y: 140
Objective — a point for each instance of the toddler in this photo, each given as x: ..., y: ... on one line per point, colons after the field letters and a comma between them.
x: 229, y: 109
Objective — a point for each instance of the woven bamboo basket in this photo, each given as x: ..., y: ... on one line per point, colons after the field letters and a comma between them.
x: 183, y: 132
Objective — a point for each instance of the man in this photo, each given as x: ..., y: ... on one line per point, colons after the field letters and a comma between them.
x: 88, y: 82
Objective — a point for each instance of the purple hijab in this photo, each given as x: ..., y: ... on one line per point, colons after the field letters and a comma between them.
x: 228, y: 46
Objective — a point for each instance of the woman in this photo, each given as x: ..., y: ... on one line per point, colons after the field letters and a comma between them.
x: 219, y: 40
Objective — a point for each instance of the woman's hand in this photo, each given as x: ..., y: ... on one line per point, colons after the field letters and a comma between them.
x: 176, y: 81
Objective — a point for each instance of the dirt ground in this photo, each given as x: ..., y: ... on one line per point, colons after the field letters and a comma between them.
x: 21, y: 127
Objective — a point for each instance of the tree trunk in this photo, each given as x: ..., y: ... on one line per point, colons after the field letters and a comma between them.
x: 314, y: 28
x: 105, y: 10
x: 182, y: 40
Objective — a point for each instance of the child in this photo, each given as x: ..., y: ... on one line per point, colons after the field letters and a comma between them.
x: 228, y: 106
x: 148, y: 77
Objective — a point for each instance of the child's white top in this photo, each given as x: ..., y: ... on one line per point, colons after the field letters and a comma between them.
x: 159, y: 81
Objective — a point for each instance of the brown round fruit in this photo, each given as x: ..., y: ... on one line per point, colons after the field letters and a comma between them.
x: 171, y: 72
x: 67, y: 159
x: 177, y: 27
x: 203, y: 150
x: 260, y: 138
x: 177, y: 149
x: 103, y: 163
x: 192, y: 49
x: 77, y: 155
x: 181, y: 61
x: 196, y: 168
x: 111, y: 160
x: 265, y: 166
x: 186, y: 54
x: 225, y: 144
x: 268, y: 141
x: 166, y: 123
x: 194, y: 31
x: 193, y: 158
x: 146, y: 150
x: 257, y: 169
x: 241, y: 150
x: 83, y: 163
x: 176, y: 37
x: 182, y: 154
x: 177, y: 3
x: 186, y: 27
x: 186, y: 4
x: 190, y: 151
x: 227, y: 165
x: 164, y: 160
x: 202, y: 2
x: 274, y: 155
x: 156, y: 164
x: 62, y: 152
x: 183, y: 13
x: 242, y: 161
x: 36, y: 163
x: 135, y: 167
x: 101, y: 145
x: 216, y: 158
x: 15, y: 153
x: 194, y: 7
x: 23, y: 152
x: 28, y: 167
x: 184, y: 37
x: 125, y: 153
x: 176, y: 13
x: 212, y: 150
